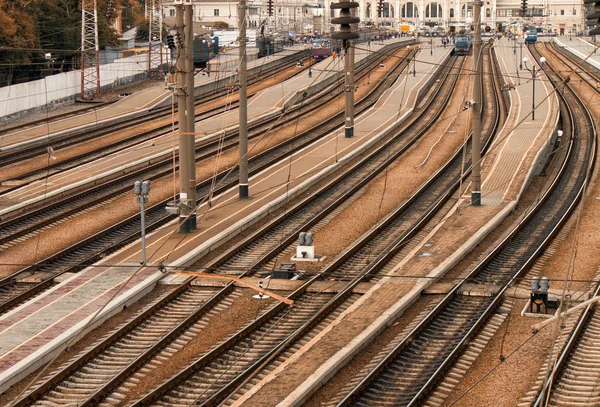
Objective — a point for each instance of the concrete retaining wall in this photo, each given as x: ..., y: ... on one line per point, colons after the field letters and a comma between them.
x: 22, y: 98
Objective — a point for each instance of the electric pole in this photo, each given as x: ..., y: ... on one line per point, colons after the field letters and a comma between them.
x: 243, y: 121
x: 476, y: 144
x: 347, y: 35
x: 90, y: 61
x: 185, y: 106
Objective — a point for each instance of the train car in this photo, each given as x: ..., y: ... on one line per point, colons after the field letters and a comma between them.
x: 462, y: 45
x: 268, y: 45
x: 321, y: 49
x: 531, y: 37
x: 205, y: 48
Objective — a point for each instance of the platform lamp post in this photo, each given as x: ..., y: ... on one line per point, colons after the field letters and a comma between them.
x: 521, y: 60
x: 347, y: 35
x: 142, y: 190
x: 533, y: 76
x: 431, y: 39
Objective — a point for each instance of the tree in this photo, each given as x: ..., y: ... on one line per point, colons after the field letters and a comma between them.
x: 133, y: 13
x: 17, y: 35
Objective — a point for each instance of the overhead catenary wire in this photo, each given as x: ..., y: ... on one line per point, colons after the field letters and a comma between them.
x: 129, y: 280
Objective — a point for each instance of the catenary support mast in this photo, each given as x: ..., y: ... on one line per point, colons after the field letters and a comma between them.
x: 90, y: 68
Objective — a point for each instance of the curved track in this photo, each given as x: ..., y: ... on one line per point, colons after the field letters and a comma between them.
x: 411, y: 369
x: 573, y: 380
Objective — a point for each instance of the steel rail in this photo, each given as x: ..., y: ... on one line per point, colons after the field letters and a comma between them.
x: 332, y: 304
x: 569, y: 346
x: 141, y: 359
x: 445, y: 364
x: 387, y: 254
x: 78, y: 135
x: 159, y: 208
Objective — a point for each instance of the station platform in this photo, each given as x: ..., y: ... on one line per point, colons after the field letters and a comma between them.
x: 137, y: 102
x: 581, y: 47
x: 508, y: 162
x: 32, y: 333
x: 267, y: 102
x: 506, y: 171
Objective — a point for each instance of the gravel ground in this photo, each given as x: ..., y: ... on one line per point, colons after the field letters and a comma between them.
x: 393, y: 187
x: 346, y: 374
x: 244, y: 310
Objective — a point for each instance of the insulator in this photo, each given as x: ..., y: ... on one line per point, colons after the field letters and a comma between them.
x: 345, y: 19
x: 535, y: 284
x: 594, y: 16
x: 544, y: 285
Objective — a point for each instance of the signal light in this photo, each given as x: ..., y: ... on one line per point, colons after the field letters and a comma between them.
x: 523, y: 7
x: 380, y: 8
x: 594, y: 15
x: 270, y: 7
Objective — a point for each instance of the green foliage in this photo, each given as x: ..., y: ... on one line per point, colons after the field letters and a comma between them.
x: 143, y: 30
x: 30, y: 28
x: 133, y: 13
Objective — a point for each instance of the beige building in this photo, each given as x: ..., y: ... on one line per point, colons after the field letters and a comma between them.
x: 564, y: 17
x: 560, y: 16
x: 302, y: 18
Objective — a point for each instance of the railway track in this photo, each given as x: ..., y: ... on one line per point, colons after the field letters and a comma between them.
x: 411, y: 370
x: 107, y: 392
x: 572, y: 381
x: 388, y: 237
x: 73, y: 137
x: 74, y: 258
x: 583, y: 70
x: 381, y: 249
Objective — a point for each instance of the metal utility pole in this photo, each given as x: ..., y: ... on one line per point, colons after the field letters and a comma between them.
x: 90, y: 62
x: 476, y: 145
x: 347, y: 35
x: 187, y: 163
x: 155, y: 50
x: 243, y: 122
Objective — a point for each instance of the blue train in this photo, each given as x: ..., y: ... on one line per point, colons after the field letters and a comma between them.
x: 205, y: 48
x: 462, y: 45
x: 321, y: 49
x: 531, y: 37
